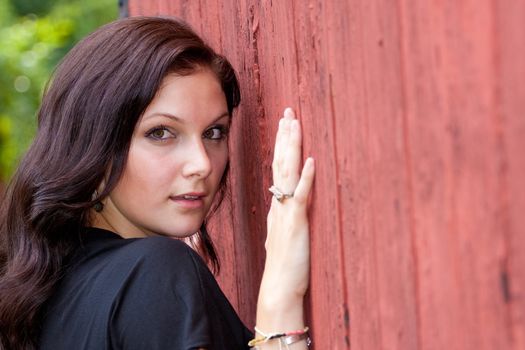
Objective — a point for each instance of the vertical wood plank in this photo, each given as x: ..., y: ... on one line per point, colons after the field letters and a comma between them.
x: 510, y: 127
x: 388, y: 193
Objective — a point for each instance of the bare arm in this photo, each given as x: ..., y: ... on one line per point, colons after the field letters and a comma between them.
x: 285, y: 278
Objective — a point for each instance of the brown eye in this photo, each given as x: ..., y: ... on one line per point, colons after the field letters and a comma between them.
x: 159, y: 133
x: 216, y: 133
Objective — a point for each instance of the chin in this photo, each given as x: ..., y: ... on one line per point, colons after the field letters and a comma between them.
x: 182, y: 232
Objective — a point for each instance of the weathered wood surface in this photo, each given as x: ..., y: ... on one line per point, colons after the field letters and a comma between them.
x: 415, y: 113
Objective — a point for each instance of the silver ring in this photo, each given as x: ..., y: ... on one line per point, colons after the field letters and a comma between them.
x: 278, y: 194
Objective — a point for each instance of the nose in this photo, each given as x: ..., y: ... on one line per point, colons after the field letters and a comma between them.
x: 197, y: 160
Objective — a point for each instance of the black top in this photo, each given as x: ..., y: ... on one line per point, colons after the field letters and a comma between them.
x: 140, y: 293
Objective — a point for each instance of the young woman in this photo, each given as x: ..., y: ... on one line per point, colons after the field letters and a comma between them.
x: 131, y: 153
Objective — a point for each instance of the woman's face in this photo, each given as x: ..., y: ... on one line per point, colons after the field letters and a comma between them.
x: 179, y: 147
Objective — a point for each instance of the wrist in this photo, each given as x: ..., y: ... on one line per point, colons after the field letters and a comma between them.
x: 278, y: 315
x: 273, y: 294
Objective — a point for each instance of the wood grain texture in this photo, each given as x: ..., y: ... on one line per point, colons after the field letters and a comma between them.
x: 415, y: 114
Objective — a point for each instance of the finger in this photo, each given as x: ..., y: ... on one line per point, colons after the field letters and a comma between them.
x: 305, y: 182
x: 281, y: 146
x: 277, y: 151
x: 289, y: 113
x: 279, y: 135
x: 288, y: 117
x: 292, y: 157
x: 288, y: 164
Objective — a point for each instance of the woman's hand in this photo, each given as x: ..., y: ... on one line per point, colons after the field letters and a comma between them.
x: 286, y: 270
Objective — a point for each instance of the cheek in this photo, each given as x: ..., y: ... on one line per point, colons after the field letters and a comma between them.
x: 219, y: 161
x: 145, y: 172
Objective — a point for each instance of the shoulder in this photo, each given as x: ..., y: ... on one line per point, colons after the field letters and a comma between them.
x: 162, y: 257
x: 155, y: 286
x: 163, y: 295
x: 120, y: 265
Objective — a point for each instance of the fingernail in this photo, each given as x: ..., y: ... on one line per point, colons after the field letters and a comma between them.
x: 295, y: 124
x: 288, y: 112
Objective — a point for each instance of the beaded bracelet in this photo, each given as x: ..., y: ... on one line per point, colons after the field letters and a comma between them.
x: 286, y: 338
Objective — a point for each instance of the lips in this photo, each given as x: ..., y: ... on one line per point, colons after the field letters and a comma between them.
x: 190, y: 200
x: 190, y: 196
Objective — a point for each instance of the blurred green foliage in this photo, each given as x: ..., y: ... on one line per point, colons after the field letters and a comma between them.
x: 34, y: 36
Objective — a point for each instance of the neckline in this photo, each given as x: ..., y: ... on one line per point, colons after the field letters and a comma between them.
x: 90, y: 233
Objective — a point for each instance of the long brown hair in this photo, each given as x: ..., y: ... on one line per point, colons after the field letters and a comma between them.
x: 85, y: 124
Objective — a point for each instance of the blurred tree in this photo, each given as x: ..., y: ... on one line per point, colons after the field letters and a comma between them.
x: 26, y: 7
x: 34, y: 36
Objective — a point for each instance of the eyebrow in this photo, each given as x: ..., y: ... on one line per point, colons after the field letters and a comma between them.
x: 182, y: 121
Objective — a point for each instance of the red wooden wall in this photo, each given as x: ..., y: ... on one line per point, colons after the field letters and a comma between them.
x: 415, y: 113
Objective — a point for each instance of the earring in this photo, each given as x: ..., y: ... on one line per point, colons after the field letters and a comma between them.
x: 98, y: 206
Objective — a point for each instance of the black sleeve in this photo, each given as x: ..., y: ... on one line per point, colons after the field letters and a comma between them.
x: 162, y: 304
